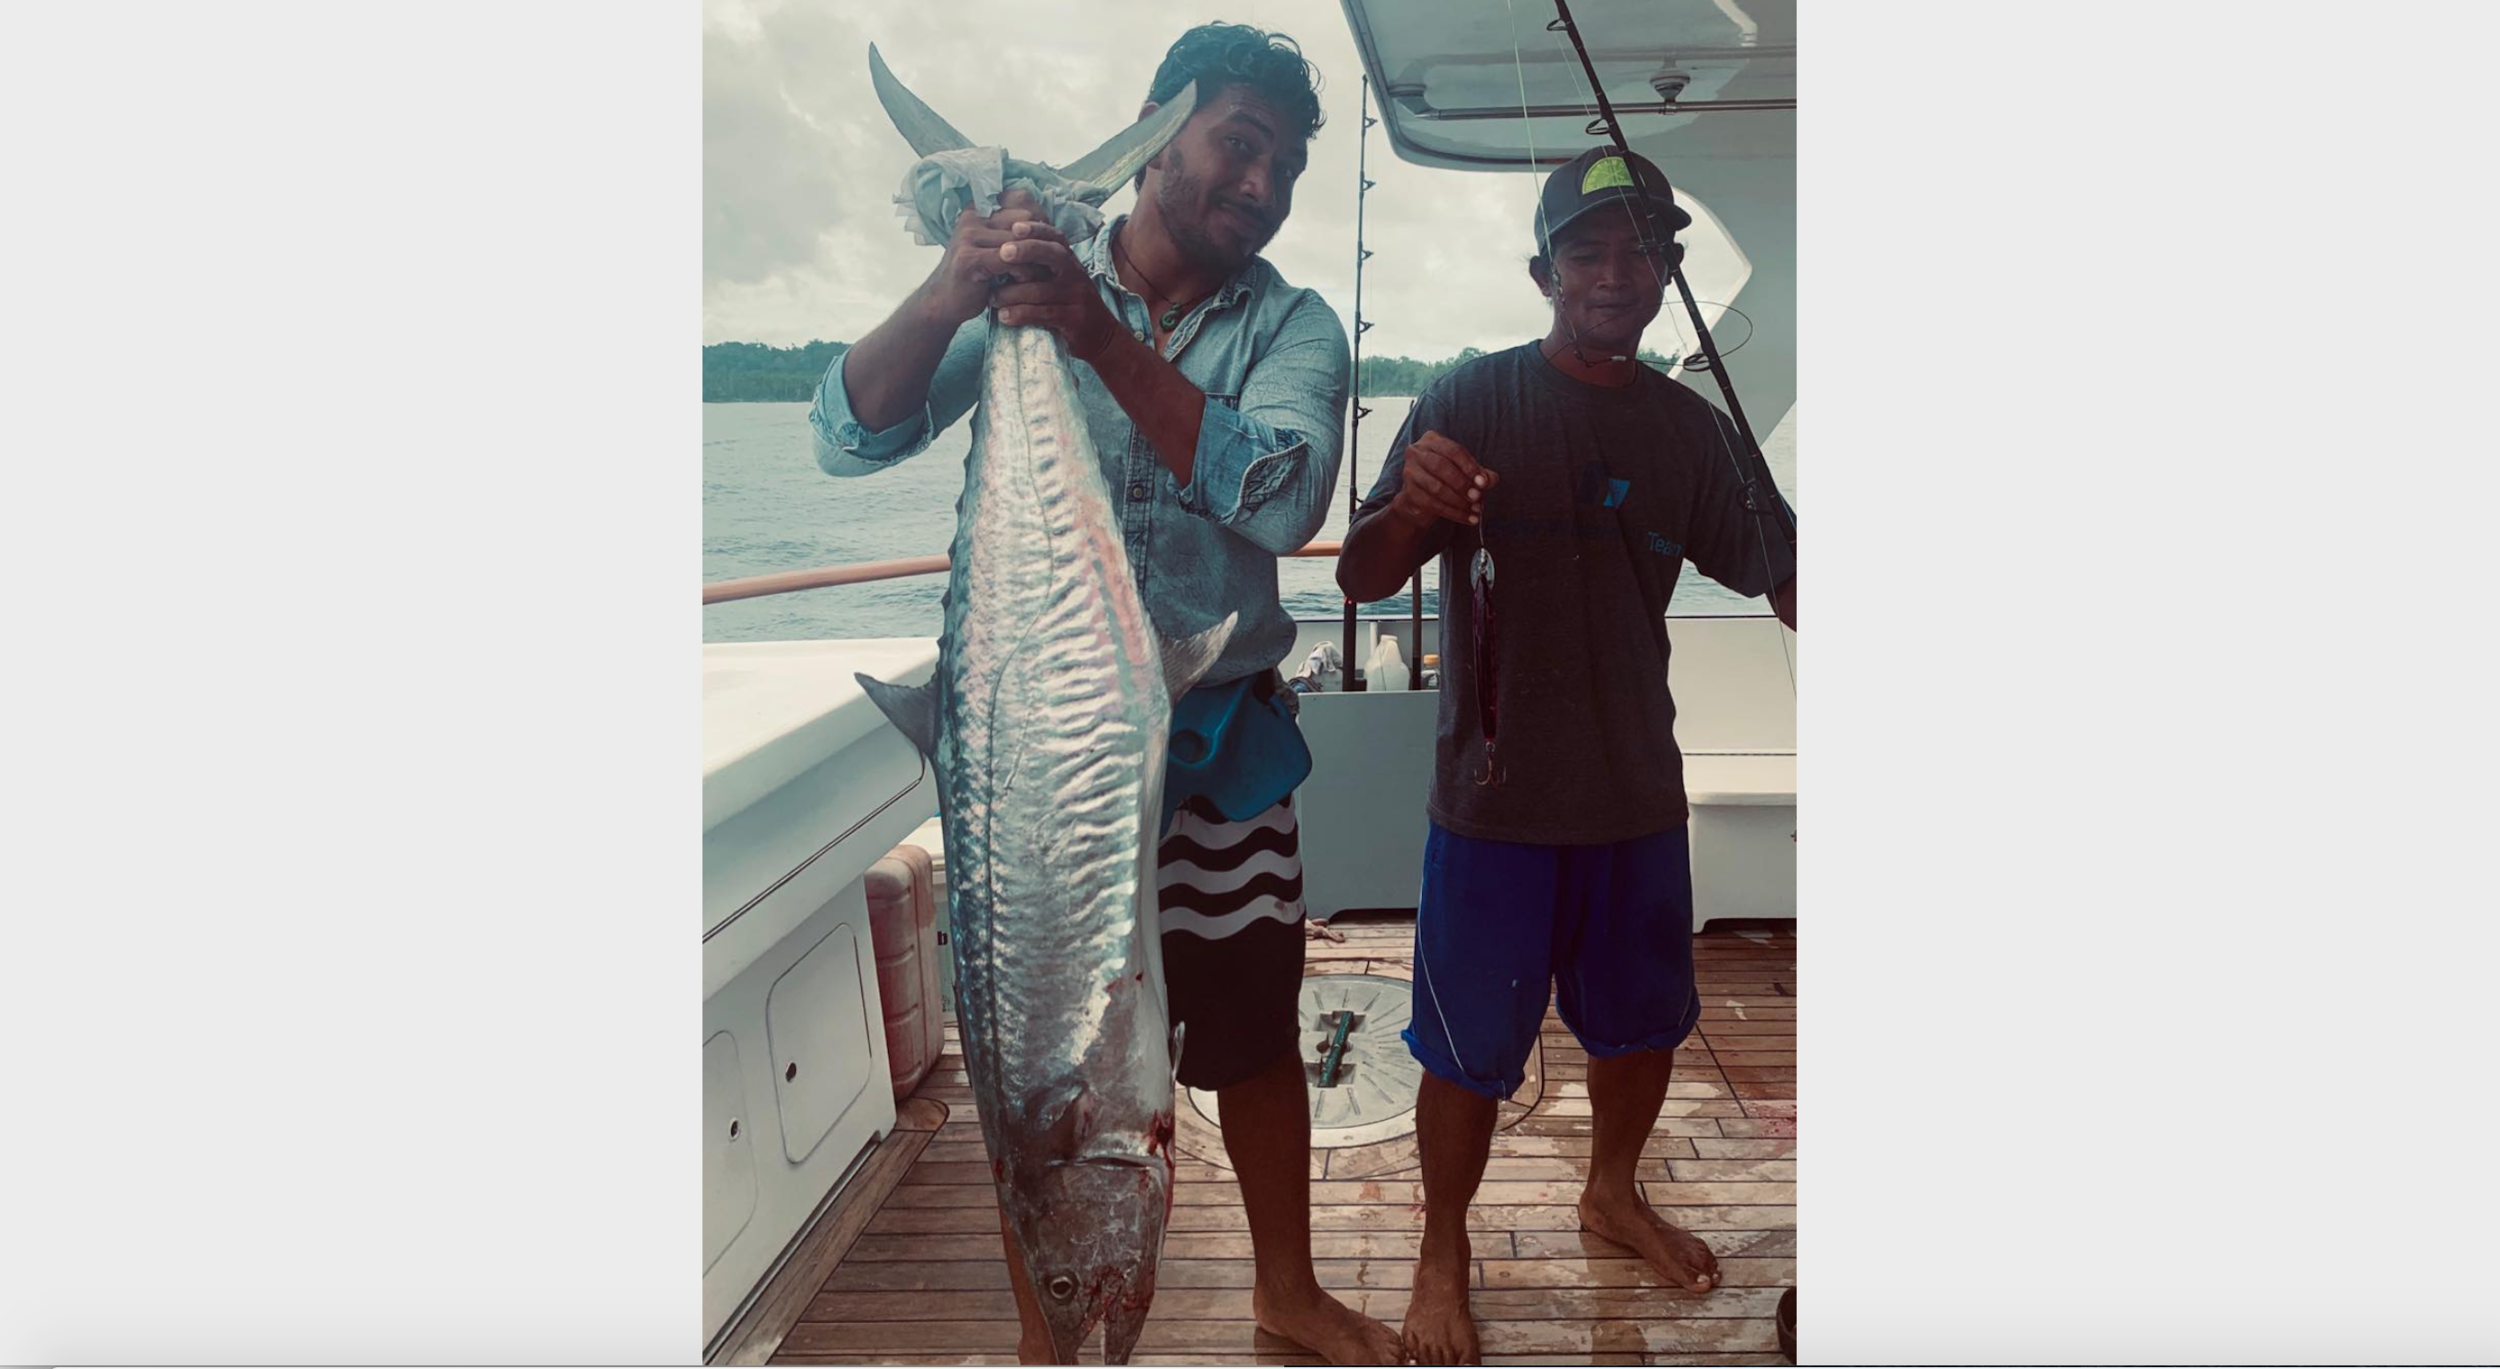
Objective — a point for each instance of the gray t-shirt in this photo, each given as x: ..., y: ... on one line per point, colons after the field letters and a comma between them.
x: 1605, y: 492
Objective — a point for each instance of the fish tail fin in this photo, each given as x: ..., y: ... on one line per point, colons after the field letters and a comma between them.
x: 920, y: 125
x: 1108, y: 167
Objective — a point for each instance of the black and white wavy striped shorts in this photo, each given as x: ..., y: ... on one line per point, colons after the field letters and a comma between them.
x: 1231, y: 894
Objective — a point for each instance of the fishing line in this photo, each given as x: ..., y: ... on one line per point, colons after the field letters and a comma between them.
x: 1690, y: 356
x: 1552, y: 270
x: 1602, y: 111
x: 1724, y: 352
x: 1519, y: 71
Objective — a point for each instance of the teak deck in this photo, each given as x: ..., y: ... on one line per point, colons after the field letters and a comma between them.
x: 905, y: 1267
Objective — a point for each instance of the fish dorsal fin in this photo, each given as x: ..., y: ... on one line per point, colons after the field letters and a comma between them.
x: 912, y: 708
x: 920, y: 125
x: 1186, y: 660
x: 1109, y: 166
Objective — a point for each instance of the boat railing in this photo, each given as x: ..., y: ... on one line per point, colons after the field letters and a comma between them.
x: 866, y: 572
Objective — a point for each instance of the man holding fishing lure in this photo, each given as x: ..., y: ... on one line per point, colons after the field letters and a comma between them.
x: 1214, y: 393
x: 1563, y: 484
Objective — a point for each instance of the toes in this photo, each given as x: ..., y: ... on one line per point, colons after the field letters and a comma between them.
x: 1705, y: 1273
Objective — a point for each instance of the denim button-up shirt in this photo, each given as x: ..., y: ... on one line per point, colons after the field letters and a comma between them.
x: 1273, y: 361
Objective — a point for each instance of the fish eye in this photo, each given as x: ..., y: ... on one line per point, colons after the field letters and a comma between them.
x: 1063, y: 1288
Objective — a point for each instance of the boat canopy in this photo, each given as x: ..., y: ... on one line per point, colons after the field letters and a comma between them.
x: 1707, y: 89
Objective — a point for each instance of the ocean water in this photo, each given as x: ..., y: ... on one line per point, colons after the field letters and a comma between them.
x: 766, y: 508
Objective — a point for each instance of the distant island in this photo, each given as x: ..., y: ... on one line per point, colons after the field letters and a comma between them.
x: 750, y: 372
x: 1393, y: 377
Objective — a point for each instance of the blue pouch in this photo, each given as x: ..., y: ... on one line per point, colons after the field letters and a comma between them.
x: 1237, y: 746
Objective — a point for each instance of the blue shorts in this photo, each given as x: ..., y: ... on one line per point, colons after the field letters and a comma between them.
x: 1504, y: 926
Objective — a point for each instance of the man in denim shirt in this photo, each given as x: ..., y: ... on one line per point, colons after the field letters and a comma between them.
x: 1215, y: 393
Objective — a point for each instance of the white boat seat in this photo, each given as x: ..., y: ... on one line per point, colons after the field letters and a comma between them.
x: 1719, y: 780
x: 1744, y: 834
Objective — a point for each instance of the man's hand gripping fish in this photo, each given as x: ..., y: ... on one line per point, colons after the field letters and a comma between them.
x: 1046, y: 723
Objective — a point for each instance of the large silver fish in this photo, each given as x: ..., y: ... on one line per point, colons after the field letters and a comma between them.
x: 1046, y: 723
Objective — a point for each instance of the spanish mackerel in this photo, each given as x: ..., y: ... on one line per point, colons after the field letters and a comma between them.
x: 1046, y: 723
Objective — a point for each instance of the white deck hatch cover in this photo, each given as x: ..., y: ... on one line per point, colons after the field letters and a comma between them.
x: 818, y: 1023
x: 728, y: 1155
x: 1370, y: 1095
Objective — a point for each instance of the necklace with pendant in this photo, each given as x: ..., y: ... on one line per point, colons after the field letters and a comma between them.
x: 1170, y: 318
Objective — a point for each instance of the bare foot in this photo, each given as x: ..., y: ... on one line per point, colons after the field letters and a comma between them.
x: 1678, y: 1255
x: 1314, y: 1319
x: 1439, y: 1328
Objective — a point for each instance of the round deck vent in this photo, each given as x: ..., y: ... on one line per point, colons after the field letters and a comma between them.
x: 1359, y: 1073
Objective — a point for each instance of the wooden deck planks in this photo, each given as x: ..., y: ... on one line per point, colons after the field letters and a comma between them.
x: 922, y: 1281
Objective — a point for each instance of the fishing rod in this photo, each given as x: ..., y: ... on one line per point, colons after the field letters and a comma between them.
x: 1353, y: 482
x: 1354, y: 444
x: 1756, y: 502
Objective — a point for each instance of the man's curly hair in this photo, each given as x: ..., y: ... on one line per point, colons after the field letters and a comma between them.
x: 1219, y: 55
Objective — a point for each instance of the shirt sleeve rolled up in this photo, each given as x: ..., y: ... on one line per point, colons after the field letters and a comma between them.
x: 845, y: 446
x: 1266, y: 465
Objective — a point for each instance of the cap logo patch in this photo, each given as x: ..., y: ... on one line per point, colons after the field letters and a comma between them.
x: 1606, y: 171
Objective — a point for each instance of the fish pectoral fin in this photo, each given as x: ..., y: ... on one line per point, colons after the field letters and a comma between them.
x: 1186, y: 660
x: 1062, y: 1118
x: 1109, y: 166
x: 913, y: 709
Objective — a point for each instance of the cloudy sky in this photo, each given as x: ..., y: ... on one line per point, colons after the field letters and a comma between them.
x: 800, y: 164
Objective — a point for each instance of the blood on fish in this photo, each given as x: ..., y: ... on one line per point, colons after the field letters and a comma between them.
x: 1100, y: 1290
x: 1142, y: 1294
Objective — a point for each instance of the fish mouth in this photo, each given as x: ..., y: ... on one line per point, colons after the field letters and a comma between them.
x: 1120, y: 1309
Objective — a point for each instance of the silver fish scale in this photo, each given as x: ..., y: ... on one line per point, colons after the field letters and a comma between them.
x: 1047, y: 723
x: 1052, y: 724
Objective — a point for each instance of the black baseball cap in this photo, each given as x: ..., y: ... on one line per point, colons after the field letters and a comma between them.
x: 1601, y: 176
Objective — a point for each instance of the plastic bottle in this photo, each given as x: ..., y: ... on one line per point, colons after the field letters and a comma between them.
x: 1388, y: 665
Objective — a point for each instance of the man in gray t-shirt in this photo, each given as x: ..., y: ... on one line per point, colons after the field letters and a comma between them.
x: 1564, y: 485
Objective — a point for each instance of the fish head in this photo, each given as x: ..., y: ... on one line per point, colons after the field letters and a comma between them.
x: 1090, y: 1233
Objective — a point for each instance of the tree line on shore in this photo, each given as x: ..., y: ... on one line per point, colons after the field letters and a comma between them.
x: 748, y: 372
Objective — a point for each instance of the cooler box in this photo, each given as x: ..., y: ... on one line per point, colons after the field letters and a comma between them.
x: 902, y: 919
